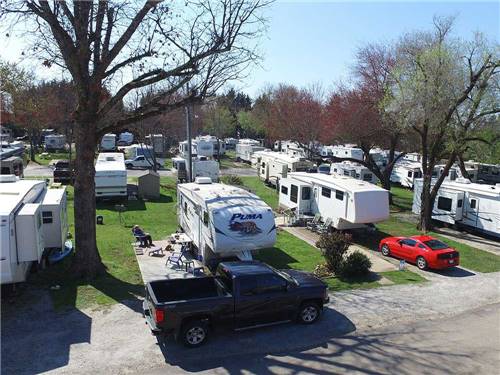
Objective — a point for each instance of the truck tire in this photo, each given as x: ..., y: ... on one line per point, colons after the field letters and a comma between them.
x: 194, y: 333
x: 129, y: 166
x: 309, y: 313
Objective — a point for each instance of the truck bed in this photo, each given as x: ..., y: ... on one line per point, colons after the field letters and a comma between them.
x: 184, y: 289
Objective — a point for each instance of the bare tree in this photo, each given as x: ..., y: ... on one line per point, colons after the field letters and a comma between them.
x: 112, y: 48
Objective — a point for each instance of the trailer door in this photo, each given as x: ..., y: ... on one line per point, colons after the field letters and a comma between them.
x: 471, y: 207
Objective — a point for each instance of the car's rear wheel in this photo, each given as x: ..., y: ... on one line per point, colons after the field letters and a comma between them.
x: 309, y: 313
x: 129, y: 166
x: 385, y: 251
x: 194, y: 333
x: 421, y: 263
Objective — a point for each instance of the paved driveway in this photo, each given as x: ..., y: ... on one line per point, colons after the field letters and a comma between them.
x: 116, y: 339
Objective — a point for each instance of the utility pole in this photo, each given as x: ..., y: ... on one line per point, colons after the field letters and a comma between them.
x: 188, y: 129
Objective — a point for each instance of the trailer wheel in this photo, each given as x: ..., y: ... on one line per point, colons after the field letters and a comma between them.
x: 194, y: 333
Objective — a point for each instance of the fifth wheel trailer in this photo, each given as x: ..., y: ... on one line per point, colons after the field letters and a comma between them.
x: 25, y: 230
x: 347, y: 202
x: 224, y: 221
x: 406, y: 172
x: 273, y: 166
x: 464, y: 203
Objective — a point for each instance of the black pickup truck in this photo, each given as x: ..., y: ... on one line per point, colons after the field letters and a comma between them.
x: 64, y: 172
x: 241, y: 295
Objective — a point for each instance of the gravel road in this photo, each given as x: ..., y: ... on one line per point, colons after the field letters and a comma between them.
x: 116, y: 339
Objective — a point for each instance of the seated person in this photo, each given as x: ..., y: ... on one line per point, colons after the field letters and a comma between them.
x: 144, y: 237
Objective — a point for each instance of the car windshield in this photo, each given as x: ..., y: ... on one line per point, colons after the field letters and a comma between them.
x: 436, y: 245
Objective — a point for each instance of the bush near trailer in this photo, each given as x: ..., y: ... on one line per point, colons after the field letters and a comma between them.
x: 334, y: 247
x: 356, y: 264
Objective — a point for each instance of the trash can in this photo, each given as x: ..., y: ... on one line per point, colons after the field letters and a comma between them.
x: 100, y: 220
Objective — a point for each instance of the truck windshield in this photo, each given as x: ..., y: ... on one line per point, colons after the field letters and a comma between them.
x: 287, y: 277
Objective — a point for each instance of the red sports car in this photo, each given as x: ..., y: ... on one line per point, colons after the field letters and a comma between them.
x: 424, y: 251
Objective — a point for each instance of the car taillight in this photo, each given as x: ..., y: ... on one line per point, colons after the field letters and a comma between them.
x: 159, y: 316
x: 451, y: 255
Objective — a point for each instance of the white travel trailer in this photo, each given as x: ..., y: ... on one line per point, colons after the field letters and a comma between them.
x: 125, y: 139
x: 110, y: 175
x: 466, y: 204
x: 215, y: 145
x: 413, y: 157
x: 6, y: 134
x: 223, y: 220
x: 326, y: 151
x: 347, y: 202
x: 158, y: 143
x: 55, y: 142
x: 202, y: 167
x: 273, y: 166
x: 489, y: 173
x: 231, y: 143
x: 405, y: 172
x: 245, y: 148
x: 26, y: 231
x: 108, y: 142
x: 354, y: 170
x: 199, y: 147
x: 289, y: 147
x: 452, y: 175
x: 347, y: 151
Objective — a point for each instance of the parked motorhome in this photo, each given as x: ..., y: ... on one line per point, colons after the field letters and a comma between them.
x: 12, y: 165
x: 55, y: 142
x: 245, y: 148
x: 110, y: 175
x: 202, y: 167
x: 354, y: 170
x: 199, y: 147
x: 231, y: 143
x: 25, y: 233
x: 464, y: 203
x: 224, y: 221
x: 273, y: 166
x: 347, y: 151
x: 347, y: 202
x: 125, y: 139
x: 108, y: 143
x: 405, y: 172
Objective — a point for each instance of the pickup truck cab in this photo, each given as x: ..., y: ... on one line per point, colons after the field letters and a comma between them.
x: 63, y: 172
x: 241, y: 295
x: 142, y: 162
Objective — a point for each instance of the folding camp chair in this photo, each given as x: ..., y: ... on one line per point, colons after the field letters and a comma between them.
x: 176, y: 257
x: 325, y: 227
x: 314, y: 223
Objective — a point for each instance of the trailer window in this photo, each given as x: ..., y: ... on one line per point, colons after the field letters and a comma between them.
x: 47, y: 217
x: 185, y: 207
x: 306, y: 193
x: 284, y: 190
x: 444, y: 204
x: 346, y: 173
x: 472, y: 203
x: 410, y: 173
x: 326, y: 192
x: 459, y: 203
x: 205, y: 218
x: 367, y: 177
x: 339, y: 195
x: 294, y: 192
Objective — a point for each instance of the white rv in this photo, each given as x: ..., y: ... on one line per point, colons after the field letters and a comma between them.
x: 405, y: 172
x: 199, y: 147
x: 347, y: 151
x: 347, y: 202
x: 141, y: 156
x: 202, y: 167
x: 158, y: 143
x: 290, y: 147
x: 125, y: 139
x: 489, y: 173
x: 464, y: 203
x: 224, y: 220
x: 413, y: 157
x: 273, y: 166
x: 245, y: 148
x: 231, y: 143
x: 33, y: 219
x: 108, y: 142
x: 215, y: 145
x: 55, y: 142
x: 110, y: 175
x: 354, y: 170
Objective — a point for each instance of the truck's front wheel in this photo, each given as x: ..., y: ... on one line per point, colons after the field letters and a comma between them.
x: 309, y: 313
x: 194, y: 333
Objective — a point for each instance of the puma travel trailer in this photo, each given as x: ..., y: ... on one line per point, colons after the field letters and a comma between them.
x: 464, y: 203
x: 224, y: 221
x: 346, y: 202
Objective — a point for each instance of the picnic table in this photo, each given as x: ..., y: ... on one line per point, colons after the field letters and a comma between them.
x: 181, y: 238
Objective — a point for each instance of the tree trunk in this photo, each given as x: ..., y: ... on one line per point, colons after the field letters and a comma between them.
x: 386, y: 184
x: 87, y: 262
x: 32, y: 146
x: 425, y: 223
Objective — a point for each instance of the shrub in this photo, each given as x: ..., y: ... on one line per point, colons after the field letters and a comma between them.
x: 322, y: 270
x: 231, y: 180
x: 356, y: 264
x: 333, y: 247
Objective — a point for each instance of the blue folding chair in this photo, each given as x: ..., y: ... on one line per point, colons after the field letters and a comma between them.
x: 176, y: 257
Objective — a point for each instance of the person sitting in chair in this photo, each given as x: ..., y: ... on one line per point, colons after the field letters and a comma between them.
x: 144, y: 237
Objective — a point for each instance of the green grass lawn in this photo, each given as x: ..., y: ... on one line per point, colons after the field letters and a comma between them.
x: 402, y: 199
x: 52, y: 156
x: 268, y: 194
x: 292, y: 252
x: 122, y: 280
x: 228, y: 161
